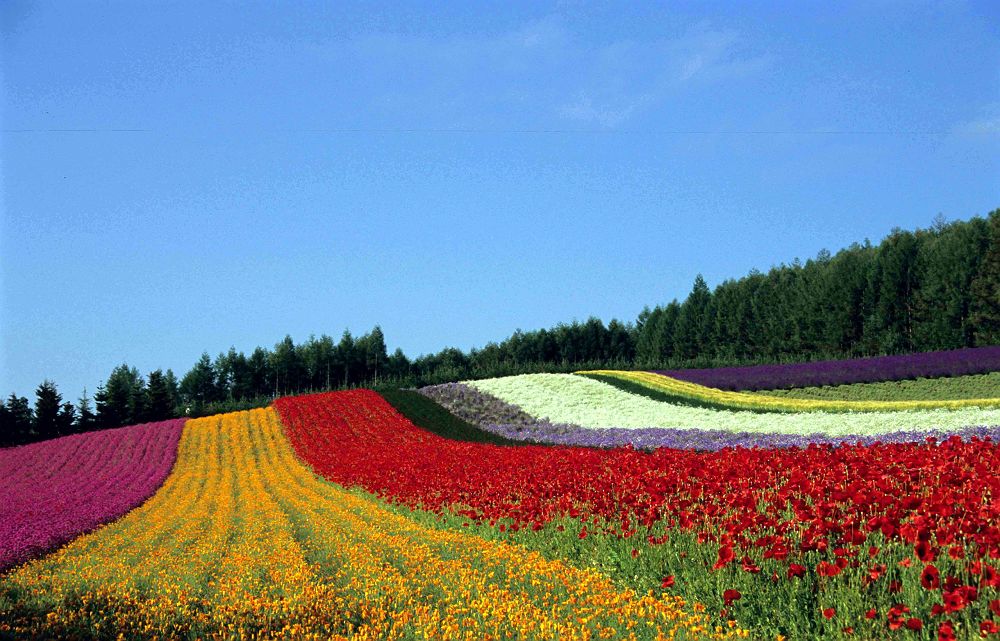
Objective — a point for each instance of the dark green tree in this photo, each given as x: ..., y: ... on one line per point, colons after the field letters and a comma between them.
x: 18, y: 419
x: 693, y: 321
x: 66, y: 420
x: 160, y: 401
x: 985, y: 290
x: 86, y: 420
x: 121, y: 400
x: 48, y: 402
x: 199, y: 385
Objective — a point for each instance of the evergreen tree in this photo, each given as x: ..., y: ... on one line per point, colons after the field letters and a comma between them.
x: 66, y: 420
x: 985, y: 290
x: 86, y: 420
x: 7, y: 435
x: 48, y: 402
x: 199, y: 385
x: 19, y: 420
x: 693, y: 321
x: 260, y: 374
x: 121, y: 400
x: 287, y: 364
x: 346, y: 358
x: 160, y: 402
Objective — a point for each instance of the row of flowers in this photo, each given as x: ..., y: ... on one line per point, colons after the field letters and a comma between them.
x: 490, y: 414
x: 54, y: 490
x: 955, y: 362
x: 686, y: 390
x: 243, y: 541
x: 585, y: 402
x: 899, y: 536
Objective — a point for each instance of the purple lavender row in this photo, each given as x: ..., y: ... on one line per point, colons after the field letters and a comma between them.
x: 956, y: 362
x: 711, y: 440
x: 53, y: 491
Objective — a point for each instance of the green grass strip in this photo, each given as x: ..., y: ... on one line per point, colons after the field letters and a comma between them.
x: 428, y: 415
x: 921, y: 389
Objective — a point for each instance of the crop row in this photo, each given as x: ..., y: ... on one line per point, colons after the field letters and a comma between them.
x: 686, y: 390
x: 957, y: 362
x: 954, y: 387
x: 855, y: 525
x: 55, y: 490
x: 243, y: 541
x: 584, y: 402
x: 491, y: 415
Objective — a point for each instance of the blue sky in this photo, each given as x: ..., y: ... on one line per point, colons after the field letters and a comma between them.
x: 179, y: 177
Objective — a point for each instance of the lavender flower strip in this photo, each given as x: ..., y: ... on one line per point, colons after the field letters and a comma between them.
x: 711, y: 440
x: 956, y: 362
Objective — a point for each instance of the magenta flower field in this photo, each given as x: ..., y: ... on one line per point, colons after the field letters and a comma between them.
x: 50, y: 492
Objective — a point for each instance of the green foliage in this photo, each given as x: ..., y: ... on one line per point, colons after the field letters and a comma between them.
x: 428, y: 415
x: 16, y: 419
x: 122, y: 399
x: 921, y: 389
x: 985, y: 289
x: 48, y: 403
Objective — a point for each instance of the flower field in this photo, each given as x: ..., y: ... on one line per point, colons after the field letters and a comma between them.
x: 968, y: 386
x: 410, y: 515
x: 243, y: 541
x: 584, y: 402
x: 956, y: 362
x: 724, y: 399
x: 804, y: 543
x: 54, y: 490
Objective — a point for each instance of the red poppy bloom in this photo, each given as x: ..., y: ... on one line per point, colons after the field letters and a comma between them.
x: 731, y: 595
x: 725, y: 556
x: 796, y: 570
x: 829, y: 613
x: 668, y: 581
x: 930, y: 578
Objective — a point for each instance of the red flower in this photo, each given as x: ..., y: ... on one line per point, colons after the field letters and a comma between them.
x: 750, y: 566
x: 731, y: 595
x: 988, y: 627
x: 796, y: 570
x: 827, y: 569
x: 913, y: 623
x: 725, y: 556
x: 930, y: 578
x: 946, y: 632
x: 871, y: 614
x: 668, y: 581
x: 995, y: 607
x: 925, y: 552
x: 829, y: 613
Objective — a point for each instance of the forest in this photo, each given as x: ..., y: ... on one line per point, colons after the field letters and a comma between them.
x: 928, y: 289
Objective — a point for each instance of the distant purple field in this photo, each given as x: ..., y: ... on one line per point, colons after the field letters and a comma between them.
x: 957, y: 362
x: 53, y: 491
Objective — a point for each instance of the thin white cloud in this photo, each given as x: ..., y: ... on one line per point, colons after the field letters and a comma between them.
x: 980, y: 126
x: 537, y: 72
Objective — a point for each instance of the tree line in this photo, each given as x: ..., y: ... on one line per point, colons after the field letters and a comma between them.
x: 929, y: 289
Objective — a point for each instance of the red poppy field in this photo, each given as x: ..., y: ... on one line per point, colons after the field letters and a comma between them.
x: 877, y: 541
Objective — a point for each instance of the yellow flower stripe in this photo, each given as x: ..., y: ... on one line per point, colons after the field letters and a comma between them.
x: 747, y: 401
x: 243, y: 541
